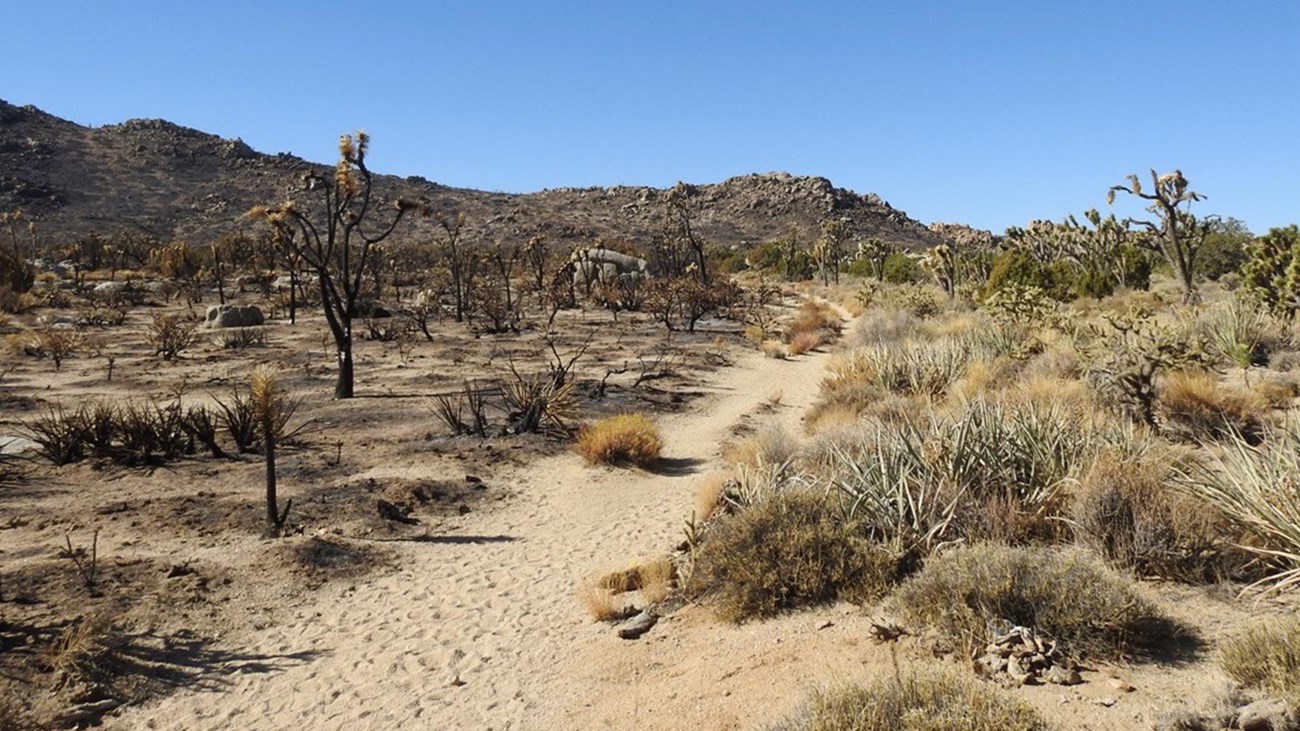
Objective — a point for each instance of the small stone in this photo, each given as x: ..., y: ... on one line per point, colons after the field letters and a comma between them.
x: 638, y: 625
x: 456, y: 682
x: 1264, y: 715
x: 1105, y: 702
x: 1121, y: 685
x: 1057, y: 675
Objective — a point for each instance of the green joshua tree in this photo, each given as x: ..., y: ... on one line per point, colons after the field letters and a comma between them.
x: 1176, y: 234
x: 335, y: 238
x: 830, y: 248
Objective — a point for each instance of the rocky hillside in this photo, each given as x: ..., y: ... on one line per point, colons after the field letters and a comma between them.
x: 179, y: 183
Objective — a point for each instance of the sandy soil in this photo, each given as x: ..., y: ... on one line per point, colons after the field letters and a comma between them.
x: 472, y: 620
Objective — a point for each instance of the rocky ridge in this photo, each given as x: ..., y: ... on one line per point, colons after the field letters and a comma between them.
x: 180, y: 183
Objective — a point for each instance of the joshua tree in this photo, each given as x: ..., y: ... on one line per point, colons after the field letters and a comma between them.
x: 680, y: 235
x: 269, y: 412
x: 942, y: 264
x: 830, y: 248
x: 336, y: 240
x: 1178, y: 234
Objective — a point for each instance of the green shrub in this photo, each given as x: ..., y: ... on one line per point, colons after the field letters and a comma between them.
x: 1266, y: 656
x: 900, y: 268
x: 927, y: 700
x: 1067, y: 595
x: 787, y: 551
x: 1017, y: 268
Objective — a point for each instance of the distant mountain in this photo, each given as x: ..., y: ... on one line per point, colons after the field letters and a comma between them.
x: 180, y: 183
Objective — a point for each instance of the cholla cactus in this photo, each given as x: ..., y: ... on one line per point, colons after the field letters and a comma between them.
x: 1272, y: 275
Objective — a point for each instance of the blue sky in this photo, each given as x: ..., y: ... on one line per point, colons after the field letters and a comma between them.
x: 988, y: 113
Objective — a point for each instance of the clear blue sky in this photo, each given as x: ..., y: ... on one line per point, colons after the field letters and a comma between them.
x: 988, y: 113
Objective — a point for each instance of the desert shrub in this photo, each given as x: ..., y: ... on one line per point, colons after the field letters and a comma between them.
x: 773, y: 349
x: 1020, y: 269
x: 86, y: 652
x: 787, y: 551
x: 540, y: 402
x: 926, y: 700
x: 61, y: 436
x: 1194, y: 405
x: 626, y: 438
x: 1129, y: 510
x: 15, y: 273
x: 771, y: 445
x: 909, y: 368
x: 1256, y: 488
x: 883, y: 326
x: 899, y: 268
x: 238, y: 338
x: 1266, y: 656
x: 990, y: 471
x: 1067, y: 595
x: 814, y: 324
x: 168, y: 335
x: 803, y: 342
x: 101, y: 316
x: 54, y: 343
x: 920, y: 303
x: 1239, y: 332
x: 464, y: 412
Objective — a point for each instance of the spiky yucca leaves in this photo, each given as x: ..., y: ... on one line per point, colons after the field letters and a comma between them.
x: 1258, y: 487
x: 921, y: 484
x: 268, y: 406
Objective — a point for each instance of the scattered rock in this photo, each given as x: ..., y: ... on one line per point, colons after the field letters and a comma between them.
x: 1019, y: 656
x: 638, y: 625
x: 17, y: 445
x: 1121, y: 685
x: 1105, y: 702
x: 219, y: 316
x: 1269, y: 714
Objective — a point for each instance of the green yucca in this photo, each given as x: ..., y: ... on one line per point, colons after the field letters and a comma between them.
x: 1258, y: 487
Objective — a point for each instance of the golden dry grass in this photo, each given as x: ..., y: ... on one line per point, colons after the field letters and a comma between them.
x: 600, y: 603
x: 1266, y: 656
x: 1195, y: 405
x: 770, y: 445
x: 804, y: 342
x: 657, y: 579
x: 773, y: 349
x: 708, y: 495
x: 916, y: 700
x: 622, y: 439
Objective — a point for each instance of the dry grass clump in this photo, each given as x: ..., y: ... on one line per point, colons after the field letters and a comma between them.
x: 708, y: 495
x: 85, y: 652
x: 1194, y: 405
x: 790, y: 550
x: 815, y: 324
x: 770, y: 445
x: 1067, y: 595
x: 602, y: 604
x: 774, y: 349
x: 623, y: 439
x: 883, y: 326
x: 1129, y: 510
x: 1266, y: 656
x: 606, y: 597
x: 923, y: 700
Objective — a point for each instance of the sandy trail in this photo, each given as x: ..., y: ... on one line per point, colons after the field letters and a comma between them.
x: 475, y: 631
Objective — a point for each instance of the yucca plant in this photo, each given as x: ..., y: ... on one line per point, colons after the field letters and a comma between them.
x: 268, y: 406
x: 1258, y: 487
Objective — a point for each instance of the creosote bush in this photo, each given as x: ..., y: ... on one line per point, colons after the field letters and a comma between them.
x: 1065, y: 594
x: 916, y: 700
x: 622, y: 439
x: 168, y: 335
x: 787, y: 551
x: 1266, y: 656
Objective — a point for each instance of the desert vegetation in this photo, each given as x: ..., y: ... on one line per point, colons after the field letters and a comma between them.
x: 1022, y: 452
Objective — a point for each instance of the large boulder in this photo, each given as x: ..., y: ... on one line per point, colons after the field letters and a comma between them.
x: 219, y: 316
